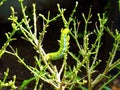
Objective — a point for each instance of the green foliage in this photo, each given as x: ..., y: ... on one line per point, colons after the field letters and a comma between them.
x: 4, y: 83
x: 9, y: 35
x: 9, y: 39
x: 1, y: 2
x: 25, y: 83
x: 66, y: 77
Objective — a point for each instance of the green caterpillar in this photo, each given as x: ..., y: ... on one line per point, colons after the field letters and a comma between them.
x: 64, y: 44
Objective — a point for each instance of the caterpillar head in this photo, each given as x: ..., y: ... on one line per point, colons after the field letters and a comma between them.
x: 65, y: 31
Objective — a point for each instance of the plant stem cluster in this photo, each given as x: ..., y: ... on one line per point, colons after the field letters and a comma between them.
x: 66, y: 77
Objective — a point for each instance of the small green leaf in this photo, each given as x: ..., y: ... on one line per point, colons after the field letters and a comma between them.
x: 106, y: 88
x: 26, y: 82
